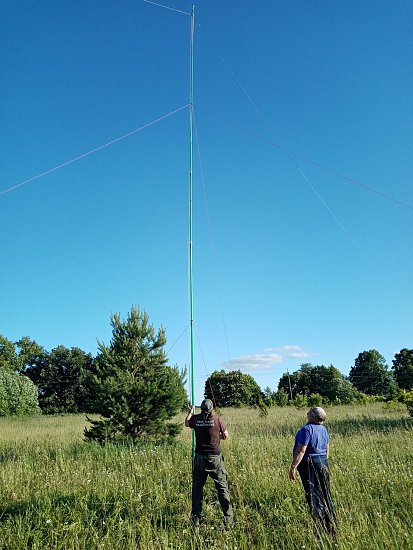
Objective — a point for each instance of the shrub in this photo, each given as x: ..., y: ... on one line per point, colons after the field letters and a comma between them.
x: 18, y: 395
x: 280, y: 398
x: 300, y: 401
x: 263, y: 408
x: 406, y: 397
x: 315, y: 400
x: 393, y: 405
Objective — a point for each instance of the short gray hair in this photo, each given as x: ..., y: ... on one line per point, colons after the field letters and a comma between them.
x: 318, y: 414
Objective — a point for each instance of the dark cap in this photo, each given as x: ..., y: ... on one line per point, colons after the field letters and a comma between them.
x: 207, y: 406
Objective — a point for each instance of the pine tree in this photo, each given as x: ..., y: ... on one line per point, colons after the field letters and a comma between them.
x: 134, y: 390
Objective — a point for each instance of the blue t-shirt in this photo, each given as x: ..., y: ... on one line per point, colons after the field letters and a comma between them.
x: 315, y: 436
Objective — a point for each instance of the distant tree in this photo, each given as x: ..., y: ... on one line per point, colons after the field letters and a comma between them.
x: 370, y: 374
x: 268, y: 396
x: 327, y: 382
x: 232, y: 389
x: 280, y: 398
x: 300, y: 401
x: 315, y: 400
x: 9, y: 358
x: 18, y: 395
x: 134, y: 390
x: 62, y: 376
x: 29, y: 351
x: 406, y: 397
x: 403, y: 368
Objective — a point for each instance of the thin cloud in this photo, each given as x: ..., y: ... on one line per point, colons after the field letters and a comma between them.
x: 300, y: 355
x: 283, y: 348
x: 267, y: 358
x: 255, y: 361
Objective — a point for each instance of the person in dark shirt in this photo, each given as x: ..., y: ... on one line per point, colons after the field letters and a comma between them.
x: 208, y: 461
x: 310, y: 458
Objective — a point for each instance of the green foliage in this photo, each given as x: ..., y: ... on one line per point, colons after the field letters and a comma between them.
x: 364, y: 399
x: 280, y: 398
x: 300, y: 401
x: 409, y: 404
x: 263, y: 408
x: 268, y: 396
x: 403, y: 368
x: 406, y: 397
x: 59, y: 493
x: 393, y: 405
x: 371, y: 376
x: 134, y: 390
x: 9, y: 358
x: 232, y: 389
x: 18, y: 395
x: 62, y: 376
x: 315, y: 400
x: 29, y: 350
x: 328, y: 382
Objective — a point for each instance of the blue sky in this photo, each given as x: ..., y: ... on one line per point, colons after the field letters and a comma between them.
x: 293, y: 262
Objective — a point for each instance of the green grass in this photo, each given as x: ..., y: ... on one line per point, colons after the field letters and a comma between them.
x: 58, y: 492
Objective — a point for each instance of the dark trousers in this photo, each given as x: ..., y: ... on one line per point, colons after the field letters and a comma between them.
x: 213, y: 466
x: 315, y: 476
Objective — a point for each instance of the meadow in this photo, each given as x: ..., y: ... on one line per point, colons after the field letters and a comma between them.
x: 59, y: 492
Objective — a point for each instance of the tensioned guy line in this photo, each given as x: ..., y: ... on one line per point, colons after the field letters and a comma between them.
x: 323, y: 202
x: 166, y: 7
x: 95, y: 150
x: 211, y: 238
x: 298, y: 155
x: 305, y: 159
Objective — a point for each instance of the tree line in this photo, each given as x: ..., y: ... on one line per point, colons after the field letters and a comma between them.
x: 128, y: 383
x: 136, y: 393
x: 369, y: 379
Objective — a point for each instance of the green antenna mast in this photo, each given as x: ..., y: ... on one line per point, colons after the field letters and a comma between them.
x: 191, y: 290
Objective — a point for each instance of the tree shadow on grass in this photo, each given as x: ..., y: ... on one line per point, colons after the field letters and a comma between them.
x: 369, y: 424
x: 167, y: 517
x: 34, y: 506
x: 96, y: 508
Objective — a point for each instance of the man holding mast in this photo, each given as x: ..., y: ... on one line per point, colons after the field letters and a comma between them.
x: 208, y: 461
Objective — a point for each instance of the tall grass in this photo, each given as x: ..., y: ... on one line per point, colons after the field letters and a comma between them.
x: 60, y: 492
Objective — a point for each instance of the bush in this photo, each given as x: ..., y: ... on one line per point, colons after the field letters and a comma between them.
x: 280, y: 398
x: 393, y: 405
x: 18, y: 395
x: 365, y: 399
x: 300, y: 401
x: 263, y: 408
x: 406, y: 397
x: 315, y: 400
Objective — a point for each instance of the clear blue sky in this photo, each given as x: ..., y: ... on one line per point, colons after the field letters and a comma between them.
x: 292, y: 263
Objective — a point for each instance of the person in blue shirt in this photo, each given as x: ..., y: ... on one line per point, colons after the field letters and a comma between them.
x: 310, y: 459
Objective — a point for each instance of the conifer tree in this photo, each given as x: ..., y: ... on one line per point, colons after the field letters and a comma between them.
x: 134, y: 390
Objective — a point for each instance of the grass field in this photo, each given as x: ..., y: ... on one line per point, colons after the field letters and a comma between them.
x: 62, y: 493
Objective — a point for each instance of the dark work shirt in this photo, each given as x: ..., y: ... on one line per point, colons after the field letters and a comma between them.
x: 207, y: 433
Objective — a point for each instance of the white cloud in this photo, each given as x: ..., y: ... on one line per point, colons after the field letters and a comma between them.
x: 283, y: 348
x: 300, y: 354
x: 267, y: 358
x: 254, y: 362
